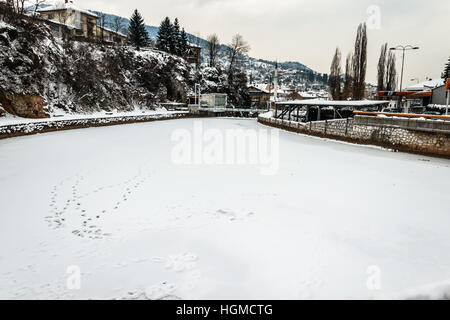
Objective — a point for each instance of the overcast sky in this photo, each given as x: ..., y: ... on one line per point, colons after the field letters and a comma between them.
x: 308, y: 31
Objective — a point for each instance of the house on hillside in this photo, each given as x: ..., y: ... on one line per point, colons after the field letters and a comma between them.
x: 83, y: 23
x: 194, y: 54
x: 259, y: 95
x: 111, y: 36
x: 70, y: 21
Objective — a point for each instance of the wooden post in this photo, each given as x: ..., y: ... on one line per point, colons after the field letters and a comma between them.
x: 307, y: 113
x: 298, y: 114
x: 290, y: 110
x: 346, y: 127
x: 326, y: 125
x: 318, y: 113
x: 334, y: 113
x: 276, y: 110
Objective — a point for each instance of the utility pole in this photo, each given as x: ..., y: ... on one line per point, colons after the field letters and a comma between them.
x: 275, y: 86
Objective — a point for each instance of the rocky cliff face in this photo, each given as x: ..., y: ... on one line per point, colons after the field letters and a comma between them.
x: 41, y: 74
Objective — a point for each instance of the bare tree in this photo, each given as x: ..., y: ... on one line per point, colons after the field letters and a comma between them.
x: 360, y: 62
x: 10, y: 3
x: 213, y: 48
x: 37, y: 4
x: 118, y: 24
x: 236, y: 49
x: 19, y: 6
x: 391, y: 73
x: 347, y: 91
x: 382, y: 68
x: 335, y: 76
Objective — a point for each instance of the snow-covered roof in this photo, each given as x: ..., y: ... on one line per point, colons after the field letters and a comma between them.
x: 260, y: 86
x: 193, y: 45
x: 430, y: 84
x: 112, y: 31
x: 307, y: 95
x: 67, y: 6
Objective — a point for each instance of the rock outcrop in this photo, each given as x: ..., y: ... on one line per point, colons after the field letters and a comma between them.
x: 24, y: 105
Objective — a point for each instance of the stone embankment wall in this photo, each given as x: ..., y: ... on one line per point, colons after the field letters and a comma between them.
x: 429, y: 137
x: 7, y: 131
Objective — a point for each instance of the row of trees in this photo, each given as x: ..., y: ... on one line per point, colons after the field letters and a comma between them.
x: 387, y: 72
x: 352, y: 85
x: 19, y: 6
x: 172, y: 38
x: 235, y: 50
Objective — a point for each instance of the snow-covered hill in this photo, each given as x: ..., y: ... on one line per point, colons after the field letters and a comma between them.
x: 44, y: 75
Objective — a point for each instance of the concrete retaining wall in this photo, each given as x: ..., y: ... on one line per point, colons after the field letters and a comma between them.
x: 428, y: 137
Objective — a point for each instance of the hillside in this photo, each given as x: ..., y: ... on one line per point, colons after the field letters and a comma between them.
x: 43, y: 75
x: 291, y: 73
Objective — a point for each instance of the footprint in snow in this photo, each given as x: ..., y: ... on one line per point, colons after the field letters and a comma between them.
x: 161, y: 291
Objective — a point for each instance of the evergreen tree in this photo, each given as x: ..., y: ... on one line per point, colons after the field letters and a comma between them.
x: 137, y: 34
x: 183, y: 42
x: 165, y: 36
x: 335, y: 76
x: 360, y: 63
x: 176, y: 38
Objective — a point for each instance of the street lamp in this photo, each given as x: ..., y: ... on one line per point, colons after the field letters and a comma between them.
x: 403, y: 48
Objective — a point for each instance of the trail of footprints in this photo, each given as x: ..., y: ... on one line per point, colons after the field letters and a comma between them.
x: 73, y: 208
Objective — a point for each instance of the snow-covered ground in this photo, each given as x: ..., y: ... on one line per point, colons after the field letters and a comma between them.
x: 335, y: 221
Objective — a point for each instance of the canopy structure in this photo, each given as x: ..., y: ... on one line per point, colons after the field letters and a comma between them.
x: 287, y: 107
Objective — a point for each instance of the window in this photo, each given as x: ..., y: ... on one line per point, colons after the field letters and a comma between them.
x: 220, y: 101
x: 51, y: 16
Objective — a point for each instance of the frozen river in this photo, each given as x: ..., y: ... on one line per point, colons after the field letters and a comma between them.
x: 120, y: 212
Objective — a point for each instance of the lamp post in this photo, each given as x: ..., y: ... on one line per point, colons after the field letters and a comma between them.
x: 403, y: 48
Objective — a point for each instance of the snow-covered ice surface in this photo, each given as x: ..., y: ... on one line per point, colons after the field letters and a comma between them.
x: 111, y: 202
